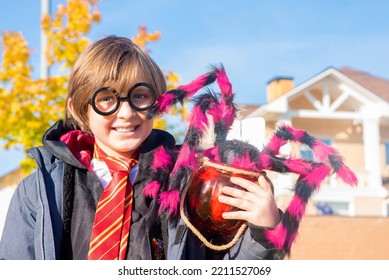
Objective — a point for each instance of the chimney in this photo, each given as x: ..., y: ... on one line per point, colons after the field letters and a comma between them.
x: 278, y: 86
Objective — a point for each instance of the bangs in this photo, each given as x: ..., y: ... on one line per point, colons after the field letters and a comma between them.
x: 124, y: 73
x: 128, y: 72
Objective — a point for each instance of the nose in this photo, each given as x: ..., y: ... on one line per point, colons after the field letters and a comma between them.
x: 125, y: 110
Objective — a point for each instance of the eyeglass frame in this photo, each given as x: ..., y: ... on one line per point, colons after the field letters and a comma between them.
x: 121, y: 99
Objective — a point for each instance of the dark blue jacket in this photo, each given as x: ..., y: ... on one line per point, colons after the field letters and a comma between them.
x: 34, y: 227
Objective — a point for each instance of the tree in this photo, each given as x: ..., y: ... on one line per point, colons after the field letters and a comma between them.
x: 28, y: 105
x: 142, y: 39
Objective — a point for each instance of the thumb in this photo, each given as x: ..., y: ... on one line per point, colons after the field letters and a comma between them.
x: 266, y: 183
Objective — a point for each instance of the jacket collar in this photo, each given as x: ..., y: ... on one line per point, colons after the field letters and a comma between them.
x: 51, y: 140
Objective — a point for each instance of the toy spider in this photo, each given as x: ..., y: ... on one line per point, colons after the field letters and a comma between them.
x: 209, y: 123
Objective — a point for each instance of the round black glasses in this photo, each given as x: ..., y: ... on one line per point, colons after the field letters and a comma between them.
x: 106, y: 101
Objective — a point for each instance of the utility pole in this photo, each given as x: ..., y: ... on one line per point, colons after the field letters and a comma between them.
x: 44, y: 68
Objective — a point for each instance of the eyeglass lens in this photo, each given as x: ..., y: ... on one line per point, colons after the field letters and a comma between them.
x: 107, y: 100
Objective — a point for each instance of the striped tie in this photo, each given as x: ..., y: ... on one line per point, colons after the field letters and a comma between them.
x: 111, y: 226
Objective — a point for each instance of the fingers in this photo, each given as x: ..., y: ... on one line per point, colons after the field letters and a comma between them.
x: 253, y: 200
x: 235, y: 215
x: 242, y: 200
x: 250, y: 195
x: 238, y: 193
x: 245, y: 184
x: 263, y: 181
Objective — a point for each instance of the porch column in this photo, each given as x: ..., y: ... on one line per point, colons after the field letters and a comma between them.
x: 371, y: 139
x: 287, y: 120
x: 251, y: 130
x: 284, y: 184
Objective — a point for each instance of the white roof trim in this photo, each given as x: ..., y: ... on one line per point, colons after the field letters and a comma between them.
x: 280, y: 104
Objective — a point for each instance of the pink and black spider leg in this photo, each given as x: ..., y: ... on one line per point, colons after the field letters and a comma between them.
x: 210, y: 121
x: 162, y: 159
x: 222, y: 111
x: 311, y: 176
x: 158, y: 173
x: 322, y: 152
x: 170, y: 98
x: 285, y: 233
x: 206, y: 129
x: 183, y: 169
x: 199, y: 121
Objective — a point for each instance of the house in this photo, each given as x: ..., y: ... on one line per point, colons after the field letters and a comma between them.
x: 8, y: 184
x: 345, y: 108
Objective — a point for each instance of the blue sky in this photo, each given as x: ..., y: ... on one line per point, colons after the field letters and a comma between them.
x: 255, y: 40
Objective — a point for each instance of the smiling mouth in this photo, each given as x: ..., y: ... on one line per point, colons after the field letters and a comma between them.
x: 125, y: 129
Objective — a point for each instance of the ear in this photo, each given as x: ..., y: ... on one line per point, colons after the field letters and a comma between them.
x: 70, y: 108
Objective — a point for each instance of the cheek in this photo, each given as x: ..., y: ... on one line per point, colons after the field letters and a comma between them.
x: 149, y: 124
x: 96, y: 122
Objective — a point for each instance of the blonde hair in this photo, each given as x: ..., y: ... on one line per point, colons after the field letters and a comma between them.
x: 112, y: 61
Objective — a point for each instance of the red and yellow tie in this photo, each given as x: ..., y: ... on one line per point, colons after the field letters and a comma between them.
x: 112, y: 221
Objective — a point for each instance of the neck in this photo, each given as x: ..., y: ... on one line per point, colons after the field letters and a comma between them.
x: 99, y: 153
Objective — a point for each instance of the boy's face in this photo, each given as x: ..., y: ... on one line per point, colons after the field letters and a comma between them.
x: 123, y: 132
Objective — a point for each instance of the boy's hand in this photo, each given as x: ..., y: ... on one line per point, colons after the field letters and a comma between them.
x: 257, y: 203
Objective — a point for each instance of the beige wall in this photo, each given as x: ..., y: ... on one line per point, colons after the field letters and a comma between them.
x: 12, y: 179
x: 347, y: 139
x: 368, y: 206
x: 5, y: 197
x: 343, y: 238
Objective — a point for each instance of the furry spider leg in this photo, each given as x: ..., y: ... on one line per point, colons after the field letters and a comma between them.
x: 311, y: 174
x: 210, y: 121
x: 285, y: 233
x: 323, y: 152
x: 171, y: 97
x: 211, y: 115
x: 186, y: 160
x: 311, y: 177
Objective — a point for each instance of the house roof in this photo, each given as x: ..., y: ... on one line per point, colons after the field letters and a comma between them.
x: 12, y: 178
x: 373, y: 87
x: 244, y: 110
x: 377, y: 85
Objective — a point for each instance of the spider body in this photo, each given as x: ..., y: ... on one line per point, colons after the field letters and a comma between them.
x: 209, y: 123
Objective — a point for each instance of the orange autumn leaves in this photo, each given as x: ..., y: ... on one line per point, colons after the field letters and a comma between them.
x: 66, y: 29
x: 30, y: 104
x: 143, y: 37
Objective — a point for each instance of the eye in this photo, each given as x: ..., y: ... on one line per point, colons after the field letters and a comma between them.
x: 141, y: 94
x: 105, y: 100
x: 106, y: 97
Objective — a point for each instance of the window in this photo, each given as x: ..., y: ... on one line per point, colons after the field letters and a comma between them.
x: 386, y: 208
x: 386, y: 153
x: 326, y: 141
x: 307, y: 154
x: 333, y: 208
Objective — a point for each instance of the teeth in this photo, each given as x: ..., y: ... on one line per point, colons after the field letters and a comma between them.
x: 123, y: 129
